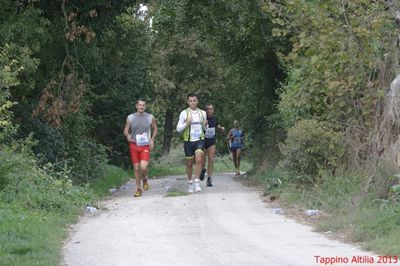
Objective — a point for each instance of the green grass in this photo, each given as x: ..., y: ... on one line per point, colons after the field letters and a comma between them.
x: 176, y: 193
x: 114, y: 177
x: 31, y: 237
x: 379, y: 228
x: 159, y: 170
x: 174, y: 164
x: 225, y: 164
x: 388, y: 244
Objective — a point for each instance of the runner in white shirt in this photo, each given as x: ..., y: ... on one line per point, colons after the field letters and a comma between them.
x: 193, y: 122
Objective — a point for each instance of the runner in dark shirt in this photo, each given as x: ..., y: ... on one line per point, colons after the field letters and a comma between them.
x: 210, y: 142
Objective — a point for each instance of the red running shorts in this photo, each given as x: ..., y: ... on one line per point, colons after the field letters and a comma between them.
x: 139, y: 153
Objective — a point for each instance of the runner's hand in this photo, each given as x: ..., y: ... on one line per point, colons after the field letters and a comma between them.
x: 189, y: 120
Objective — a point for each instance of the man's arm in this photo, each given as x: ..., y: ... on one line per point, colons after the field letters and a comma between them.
x: 155, y: 131
x: 182, y: 123
x: 230, y: 136
x: 127, y: 129
x: 205, y: 121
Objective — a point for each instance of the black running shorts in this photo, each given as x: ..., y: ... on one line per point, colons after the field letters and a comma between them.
x: 191, y: 147
x: 209, y: 142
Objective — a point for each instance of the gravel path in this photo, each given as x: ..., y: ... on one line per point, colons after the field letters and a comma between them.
x: 227, y: 224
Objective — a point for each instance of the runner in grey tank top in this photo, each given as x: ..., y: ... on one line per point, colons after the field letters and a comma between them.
x: 140, y: 139
x: 140, y: 128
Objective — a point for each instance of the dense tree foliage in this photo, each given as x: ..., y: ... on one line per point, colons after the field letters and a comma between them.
x: 343, y: 58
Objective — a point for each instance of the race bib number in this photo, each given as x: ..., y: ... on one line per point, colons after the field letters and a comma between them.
x: 195, y: 131
x: 237, y: 140
x: 210, y: 132
x: 142, y: 139
x: 237, y: 143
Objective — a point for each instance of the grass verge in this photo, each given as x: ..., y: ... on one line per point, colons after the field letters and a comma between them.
x: 31, y: 237
x: 34, y: 225
x: 352, y: 209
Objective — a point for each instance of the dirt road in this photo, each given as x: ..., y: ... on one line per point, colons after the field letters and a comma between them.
x: 227, y: 224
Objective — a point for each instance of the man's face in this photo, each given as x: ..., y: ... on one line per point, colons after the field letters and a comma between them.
x: 141, y: 106
x: 209, y: 110
x: 192, y: 102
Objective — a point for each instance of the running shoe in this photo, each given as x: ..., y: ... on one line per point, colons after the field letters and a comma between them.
x: 145, y: 184
x: 190, y: 188
x: 203, y: 172
x: 138, y: 193
x: 209, y: 184
x: 197, y: 187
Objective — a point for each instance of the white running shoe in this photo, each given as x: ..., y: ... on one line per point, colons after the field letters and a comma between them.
x: 190, y: 188
x: 197, y: 187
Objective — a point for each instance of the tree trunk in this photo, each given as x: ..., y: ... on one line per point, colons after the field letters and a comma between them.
x: 168, y: 127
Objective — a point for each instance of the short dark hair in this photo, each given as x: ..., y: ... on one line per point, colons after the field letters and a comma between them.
x: 141, y: 99
x: 192, y: 94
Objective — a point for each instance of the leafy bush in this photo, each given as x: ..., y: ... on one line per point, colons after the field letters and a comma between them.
x: 7, y: 129
x: 67, y: 146
x: 309, y: 148
x: 50, y: 142
x: 84, y: 155
x: 273, y: 179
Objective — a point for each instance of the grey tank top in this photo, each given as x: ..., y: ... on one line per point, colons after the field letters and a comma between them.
x: 140, y: 126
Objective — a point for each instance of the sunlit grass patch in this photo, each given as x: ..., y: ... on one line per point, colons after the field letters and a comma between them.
x: 114, y: 177
x: 159, y: 170
x: 223, y: 163
x: 175, y: 164
x: 174, y: 192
